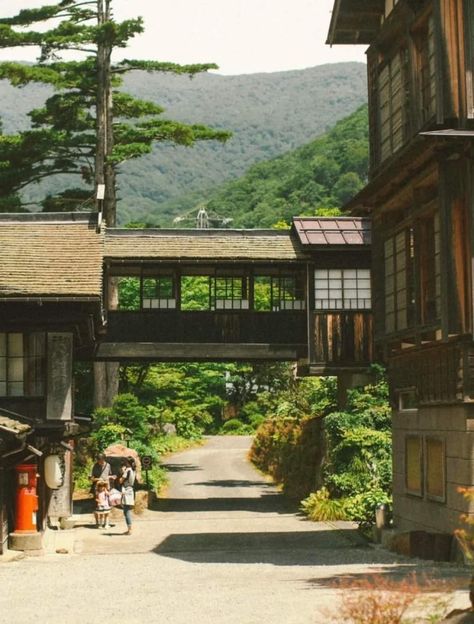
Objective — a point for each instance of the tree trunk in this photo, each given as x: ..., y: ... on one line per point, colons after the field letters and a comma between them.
x: 106, y: 374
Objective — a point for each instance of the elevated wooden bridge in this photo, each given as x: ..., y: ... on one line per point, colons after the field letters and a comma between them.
x: 301, y: 294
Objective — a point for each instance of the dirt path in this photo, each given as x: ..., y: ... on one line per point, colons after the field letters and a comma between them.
x: 223, y: 548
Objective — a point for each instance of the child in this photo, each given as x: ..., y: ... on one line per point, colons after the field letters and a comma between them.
x: 102, y: 505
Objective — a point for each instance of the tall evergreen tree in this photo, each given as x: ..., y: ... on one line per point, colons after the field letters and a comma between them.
x: 88, y: 127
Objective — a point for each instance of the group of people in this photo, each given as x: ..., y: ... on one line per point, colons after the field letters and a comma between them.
x: 111, y: 489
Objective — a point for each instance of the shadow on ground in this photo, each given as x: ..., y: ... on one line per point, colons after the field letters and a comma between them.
x: 267, y: 503
x: 277, y: 548
x: 180, y: 467
x: 425, y: 577
x: 233, y: 483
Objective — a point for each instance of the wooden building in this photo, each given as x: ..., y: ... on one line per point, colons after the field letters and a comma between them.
x: 50, y: 311
x: 420, y: 196
x: 299, y: 295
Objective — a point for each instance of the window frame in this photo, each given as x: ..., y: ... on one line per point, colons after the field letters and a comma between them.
x: 32, y: 362
x: 324, y: 282
x: 419, y: 493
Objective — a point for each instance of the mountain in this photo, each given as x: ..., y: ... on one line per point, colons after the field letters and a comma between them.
x: 324, y: 174
x: 269, y: 114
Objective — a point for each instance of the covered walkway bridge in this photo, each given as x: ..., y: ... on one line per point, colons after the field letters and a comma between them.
x: 301, y: 294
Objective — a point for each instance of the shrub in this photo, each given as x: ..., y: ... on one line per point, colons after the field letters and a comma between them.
x: 382, y: 600
x: 234, y: 426
x: 108, y: 434
x: 319, y: 507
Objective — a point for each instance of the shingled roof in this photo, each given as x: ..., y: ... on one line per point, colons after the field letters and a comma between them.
x: 50, y: 255
x: 332, y: 231
x: 203, y: 245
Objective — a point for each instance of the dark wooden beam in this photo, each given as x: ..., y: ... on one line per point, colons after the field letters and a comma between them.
x: 198, y: 352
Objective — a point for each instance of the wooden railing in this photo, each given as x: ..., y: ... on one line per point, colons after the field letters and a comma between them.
x: 174, y: 326
x: 442, y: 372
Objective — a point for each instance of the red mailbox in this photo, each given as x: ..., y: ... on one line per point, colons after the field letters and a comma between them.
x: 26, y: 498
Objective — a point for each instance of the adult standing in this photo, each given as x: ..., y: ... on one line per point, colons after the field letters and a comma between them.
x: 127, y: 480
x: 101, y: 471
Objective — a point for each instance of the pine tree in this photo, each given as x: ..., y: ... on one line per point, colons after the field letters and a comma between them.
x: 88, y: 127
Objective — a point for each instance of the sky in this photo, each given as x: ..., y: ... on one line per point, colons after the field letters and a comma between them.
x: 241, y: 36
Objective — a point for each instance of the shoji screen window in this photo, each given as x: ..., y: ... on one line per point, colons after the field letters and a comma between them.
x: 342, y: 289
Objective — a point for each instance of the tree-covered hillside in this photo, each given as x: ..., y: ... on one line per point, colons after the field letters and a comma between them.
x: 325, y: 173
x: 268, y: 114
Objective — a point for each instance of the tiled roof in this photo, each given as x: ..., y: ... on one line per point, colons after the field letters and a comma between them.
x: 10, y: 424
x: 50, y: 255
x: 232, y: 245
x: 333, y: 231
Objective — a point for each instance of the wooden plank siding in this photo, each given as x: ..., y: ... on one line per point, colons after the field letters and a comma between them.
x: 442, y: 373
x: 342, y: 338
x: 245, y: 327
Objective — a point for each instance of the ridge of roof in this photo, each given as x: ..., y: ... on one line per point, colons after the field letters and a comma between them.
x: 49, y: 217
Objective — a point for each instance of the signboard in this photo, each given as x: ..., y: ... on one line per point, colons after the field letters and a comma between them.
x: 147, y: 462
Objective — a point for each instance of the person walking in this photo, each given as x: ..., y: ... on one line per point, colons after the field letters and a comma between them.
x: 127, y: 480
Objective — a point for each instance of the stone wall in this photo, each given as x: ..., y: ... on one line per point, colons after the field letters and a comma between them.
x: 454, y: 425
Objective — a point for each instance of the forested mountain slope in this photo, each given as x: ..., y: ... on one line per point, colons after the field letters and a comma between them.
x: 325, y: 173
x: 269, y: 114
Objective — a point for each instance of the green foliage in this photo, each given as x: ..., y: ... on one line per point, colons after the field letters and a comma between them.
x: 63, y: 138
x: 109, y: 433
x: 319, y: 507
x: 318, y: 178
x: 361, y: 507
x: 172, y: 180
x: 234, y: 426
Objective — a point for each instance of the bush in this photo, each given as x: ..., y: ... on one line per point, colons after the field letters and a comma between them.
x: 234, y: 426
x: 108, y: 434
x: 290, y: 451
x: 319, y: 507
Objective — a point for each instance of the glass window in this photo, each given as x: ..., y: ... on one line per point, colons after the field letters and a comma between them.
x: 159, y: 292
x: 414, y: 465
x: 277, y: 293
x: 342, y: 289
x: 399, y: 293
x: 22, y: 364
x: 430, y: 270
x: 231, y: 293
x: 435, y: 478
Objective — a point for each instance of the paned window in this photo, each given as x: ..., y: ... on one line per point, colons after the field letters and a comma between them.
x: 393, y: 103
x: 399, y: 302
x: 427, y: 69
x: 414, y: 465
x: 278, y: 292
x: 231, y: 293
x: 22, y: 364
x: 158, y: 292
x: 342, y: 289
x: 430, y: 270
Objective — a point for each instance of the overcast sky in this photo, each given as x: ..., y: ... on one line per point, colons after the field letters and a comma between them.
x: 241, y: 36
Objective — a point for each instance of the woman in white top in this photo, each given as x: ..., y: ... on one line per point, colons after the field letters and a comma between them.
x: 127, y: 479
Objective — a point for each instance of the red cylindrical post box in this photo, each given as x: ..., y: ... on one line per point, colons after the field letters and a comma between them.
x: 26, y: 498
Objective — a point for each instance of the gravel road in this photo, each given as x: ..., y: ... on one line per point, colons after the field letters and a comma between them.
x: 223, y: 547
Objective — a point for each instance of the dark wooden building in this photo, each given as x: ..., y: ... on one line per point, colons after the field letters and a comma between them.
x: 299, y: 295
x: 50, y: 311
x: 420, y: 196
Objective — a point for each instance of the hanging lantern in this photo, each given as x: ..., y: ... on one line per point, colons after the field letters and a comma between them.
x: 53, y: 471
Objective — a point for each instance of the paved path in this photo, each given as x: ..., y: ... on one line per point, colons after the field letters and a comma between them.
x: 224, y: 547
